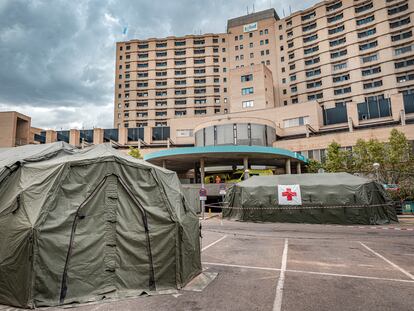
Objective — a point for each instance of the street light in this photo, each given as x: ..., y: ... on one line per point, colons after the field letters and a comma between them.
x: 376, y: 168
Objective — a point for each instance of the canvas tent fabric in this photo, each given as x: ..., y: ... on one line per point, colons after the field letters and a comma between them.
x: 91, y: 224
x: 337, y: 198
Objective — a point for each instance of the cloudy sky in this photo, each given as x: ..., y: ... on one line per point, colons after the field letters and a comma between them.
x: 57, y: 56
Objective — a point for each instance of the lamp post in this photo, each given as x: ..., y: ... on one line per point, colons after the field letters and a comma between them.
x: 376, y: 168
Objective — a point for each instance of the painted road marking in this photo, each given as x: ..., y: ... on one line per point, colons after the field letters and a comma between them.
x: 214, y: 243
x: 389, y: 261
x: 277, y: 304
x: 240, y: 266
x: 309, y: 272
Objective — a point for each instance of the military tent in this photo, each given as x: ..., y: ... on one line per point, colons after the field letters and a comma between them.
x: 337, y: 198
x: 83, y: 225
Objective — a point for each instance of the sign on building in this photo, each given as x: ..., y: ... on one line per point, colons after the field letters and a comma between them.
x: 250, y: 27
x: 289, y: 195
x: 203, y: 194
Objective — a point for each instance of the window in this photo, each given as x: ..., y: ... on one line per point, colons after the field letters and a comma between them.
x: 373, y: 84
x: 240, y: 37
x: 199, y: 70
x: 290, y: 34
x: 369, y: 58
x: 405, y: 63
x: 334, y: 6
x: 313, y: 73
x: 161, y: 93
x: 248, y: 104
x: 402, y: 36
x: 199, y: 42
x: 342, y: 91
x: 336, y: 30
x: 142, y: 65
x: 342, y: 78
x: 180, y: 92
x: 314, y: 84
x: 142, y: 104
x: 179, y: 82
x: 397, y: 9
x: 340, y: 66
x: 247, y: 78
x: 184, y: 133
x: 308, y: 27
x: 404, y: 49
x: 365, y: 20
x: 367, y: 33
x: 292, y: 78
x: 364, y: 7
x: 292, y: 56
x: 161, y: 103
x: 293, y: 89
x: 145, y: 55
x: 311, y: 49
x: 179, y: 43
x: 315, y: 96
x: 180, y: 72
x: 251, y: 35
x: 295, y: 122
x: 370, y: 71
x: 161, y: 113
x: 292, y: 67
x: 161, y: 64
x: 180, y: 102
x: 247, y: 91
x: 161, y: 54
x: 142, y: 84
x: 338, y: 53
x: 199, y: 91
x: 143, y: 46
x: 310, y: 38
x: 295, y: 100
x: 161, y: 44
x: 180, y: 113
x: 142, y: 74
x: 308, y: 16
x: 369, y: 45
x: 251, y: 55
x: 290, y: 45
x: 337, y: 42
x: 200, y: 111
x: 142, y: 114
x: 312, y: 61
x: 405, y: 78
x: 199, y: 61
x: 400, y: 22
x: 199, y: 101
x: 335, y: 18
x: 179, y: 52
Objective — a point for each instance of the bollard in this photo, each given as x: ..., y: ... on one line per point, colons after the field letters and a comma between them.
x: 209, y: 213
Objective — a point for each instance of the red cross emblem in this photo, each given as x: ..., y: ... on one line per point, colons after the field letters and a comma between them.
x: 289, y: 194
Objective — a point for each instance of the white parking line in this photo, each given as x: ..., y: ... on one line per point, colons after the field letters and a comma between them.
x: 350, y: 276
x: 277, y: 304
x: 240, y: 266
x: 309, y: 272
x: 211, y: 244
x: 389, y: 261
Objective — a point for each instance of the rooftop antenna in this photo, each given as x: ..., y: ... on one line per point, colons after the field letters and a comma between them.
x: 253, y: 7
x: 247, y: 8
x: 283, y: 12
x: 290, y: 10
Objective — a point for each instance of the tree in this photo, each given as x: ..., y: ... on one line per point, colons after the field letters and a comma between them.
x: 313, y: 166
x: 399, y: 157
x: 337, y: 159
x: 134, y: 152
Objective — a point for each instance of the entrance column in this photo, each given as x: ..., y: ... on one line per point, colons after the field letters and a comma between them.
x: 287, y: 167
x: 298, y: 168
x: 202, y: 173
x: 164, y: 165
x: 246, y: 167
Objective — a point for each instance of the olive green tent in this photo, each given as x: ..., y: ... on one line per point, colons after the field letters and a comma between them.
x: 79, y: 226
x: 337, y: 198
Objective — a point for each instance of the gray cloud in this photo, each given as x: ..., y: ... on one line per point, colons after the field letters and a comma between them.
x: 57, y: 57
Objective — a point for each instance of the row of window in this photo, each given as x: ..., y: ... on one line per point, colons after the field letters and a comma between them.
x: 144, y: 45
x: 262, y: 32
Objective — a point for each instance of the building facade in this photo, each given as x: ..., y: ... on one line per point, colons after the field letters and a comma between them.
x: 340, y: 70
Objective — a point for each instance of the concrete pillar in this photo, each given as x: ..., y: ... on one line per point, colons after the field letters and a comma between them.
x: 246, y: 167
x: 164, y: 164
x: 74, y: 137
x: 98, y: 136
x: 298, y: 168
x: 195, y: 173
x: 123, y: 136
x: 402, y: 117
x: 51, y: 136
x: 287, y: 167
x: 202, y: 170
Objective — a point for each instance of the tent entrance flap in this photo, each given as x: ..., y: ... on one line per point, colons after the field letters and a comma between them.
x: 109, y: 247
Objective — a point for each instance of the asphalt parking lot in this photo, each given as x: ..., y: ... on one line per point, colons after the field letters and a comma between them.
x: 295, y: 267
